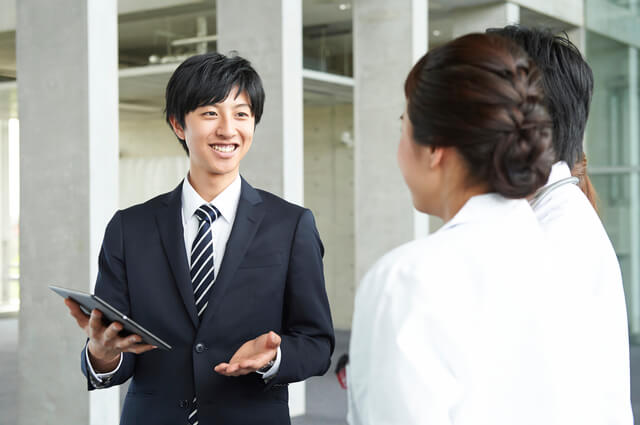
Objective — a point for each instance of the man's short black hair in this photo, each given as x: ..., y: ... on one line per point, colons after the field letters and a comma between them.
x: 567, y: 81
x: 208, y: 79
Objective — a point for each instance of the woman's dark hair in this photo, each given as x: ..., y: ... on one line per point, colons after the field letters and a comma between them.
x: 481, y: 94
x: 208, y: 79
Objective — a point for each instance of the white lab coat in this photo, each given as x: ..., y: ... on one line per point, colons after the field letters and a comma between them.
x: 595, y: 363
x: 454, y: 328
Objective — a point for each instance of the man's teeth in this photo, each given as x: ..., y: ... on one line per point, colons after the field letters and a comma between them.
x: 224, y: 148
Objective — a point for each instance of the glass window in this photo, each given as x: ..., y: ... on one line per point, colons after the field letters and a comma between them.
x: 166, y: 35
x: 608, y: 129
x: 613, y: 145
x: 327, y: 37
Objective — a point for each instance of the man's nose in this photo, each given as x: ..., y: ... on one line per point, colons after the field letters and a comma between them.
x: 226, y: 128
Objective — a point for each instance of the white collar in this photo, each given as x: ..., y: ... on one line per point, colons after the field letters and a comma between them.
x: 560, y: 170
x: 226, y: 202
x: 482, y: 207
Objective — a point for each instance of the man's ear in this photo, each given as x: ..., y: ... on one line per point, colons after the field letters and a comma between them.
x: 177, y: 128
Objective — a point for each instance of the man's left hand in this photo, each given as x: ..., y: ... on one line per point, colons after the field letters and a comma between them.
x: 251, y: 356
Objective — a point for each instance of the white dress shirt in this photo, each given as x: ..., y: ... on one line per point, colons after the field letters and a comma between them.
x: 227, y: 204
x: 452, y: 328
x: 591, y: 296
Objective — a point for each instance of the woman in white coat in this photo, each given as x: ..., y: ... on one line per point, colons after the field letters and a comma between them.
x: 452, y: 328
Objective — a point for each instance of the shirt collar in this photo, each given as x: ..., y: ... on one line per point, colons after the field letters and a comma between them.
x: 560, y: 170
x: 226, y: 202
x: 482, y: 207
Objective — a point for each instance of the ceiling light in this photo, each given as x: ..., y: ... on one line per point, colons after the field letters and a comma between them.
x: 436, y: 33
x: 344, y: 6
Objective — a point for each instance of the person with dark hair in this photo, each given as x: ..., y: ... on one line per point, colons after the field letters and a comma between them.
x: 567, y: 81
x: 230, y: 276
x: 597, y: 342
x: 448, y: 329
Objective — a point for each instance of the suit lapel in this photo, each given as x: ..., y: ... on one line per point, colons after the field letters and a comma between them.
x: 248, y: 217
x: 169, y: 219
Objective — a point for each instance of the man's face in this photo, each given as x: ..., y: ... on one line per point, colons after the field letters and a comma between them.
x: 218, y: 136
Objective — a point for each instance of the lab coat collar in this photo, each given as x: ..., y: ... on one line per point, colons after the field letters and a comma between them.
x: 482, y: 208
x: 560, y: 170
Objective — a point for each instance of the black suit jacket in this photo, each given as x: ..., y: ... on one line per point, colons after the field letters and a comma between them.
x: 271, y: 278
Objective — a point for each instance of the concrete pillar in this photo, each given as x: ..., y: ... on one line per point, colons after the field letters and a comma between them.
x: 384, y: 216
x: 269, y: 34
x: 568, y: 11
x: 68, y: 110
x: 479, y: 18
x: 578, y: 36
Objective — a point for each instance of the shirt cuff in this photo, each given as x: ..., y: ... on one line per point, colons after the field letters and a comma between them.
x: 101, y: 378
x: 274, y: 369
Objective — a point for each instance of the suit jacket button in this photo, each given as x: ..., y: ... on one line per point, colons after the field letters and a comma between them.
x: 183, y: 404
x: 200, y: 347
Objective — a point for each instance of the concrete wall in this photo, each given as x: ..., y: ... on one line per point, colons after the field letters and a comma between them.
x: 152, y: 161
x: 8, y: 9
x: 384, y: 215
x: 478, y: 19
x: 329, y: 191
x: 148, y: 136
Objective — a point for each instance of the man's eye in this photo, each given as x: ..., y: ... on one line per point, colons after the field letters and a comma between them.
x: 210, y: 113
x: 243, y: 114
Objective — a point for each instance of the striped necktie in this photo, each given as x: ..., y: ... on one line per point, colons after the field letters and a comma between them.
x: 202, y: 268
x: 202, y: 271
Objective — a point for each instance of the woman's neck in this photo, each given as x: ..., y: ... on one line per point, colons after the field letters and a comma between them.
x: 455, y: 200
x: 457, y: 188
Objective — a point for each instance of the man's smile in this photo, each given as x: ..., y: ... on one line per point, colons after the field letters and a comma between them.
x: 224, y: 148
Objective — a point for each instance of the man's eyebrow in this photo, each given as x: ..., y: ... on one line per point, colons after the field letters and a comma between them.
x: 242, y: 105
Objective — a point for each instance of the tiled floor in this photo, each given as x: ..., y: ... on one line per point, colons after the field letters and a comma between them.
x: 8, y: 368
x: 326, y: 401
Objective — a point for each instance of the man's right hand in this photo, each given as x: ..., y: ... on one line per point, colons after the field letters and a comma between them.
x: 105, y: 345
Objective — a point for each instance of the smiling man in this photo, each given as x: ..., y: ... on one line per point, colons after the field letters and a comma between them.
x: 229, y: 275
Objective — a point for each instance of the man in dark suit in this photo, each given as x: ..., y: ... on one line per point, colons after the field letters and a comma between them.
x: 230, y: 276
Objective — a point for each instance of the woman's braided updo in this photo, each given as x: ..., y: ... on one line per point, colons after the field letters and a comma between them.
x: 481, y: 94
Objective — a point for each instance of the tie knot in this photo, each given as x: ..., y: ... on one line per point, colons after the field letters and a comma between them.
x: 207, y: 212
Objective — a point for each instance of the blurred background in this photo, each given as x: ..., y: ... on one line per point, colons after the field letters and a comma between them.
x: 82, y: 134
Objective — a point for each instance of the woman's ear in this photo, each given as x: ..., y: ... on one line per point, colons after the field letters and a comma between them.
x: 177, y: 128
x: 436, y: 155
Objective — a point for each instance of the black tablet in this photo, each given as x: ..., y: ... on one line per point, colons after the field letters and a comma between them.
x: 89, y: 301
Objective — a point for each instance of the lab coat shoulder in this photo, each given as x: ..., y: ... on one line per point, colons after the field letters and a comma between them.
x: 392, y: 320
x: 571, y: 224
x: 411, y: 259
x: 590, y: 297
